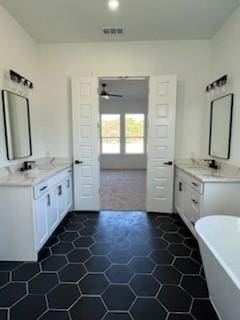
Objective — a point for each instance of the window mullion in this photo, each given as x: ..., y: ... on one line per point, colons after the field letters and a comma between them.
x: 122, y: 133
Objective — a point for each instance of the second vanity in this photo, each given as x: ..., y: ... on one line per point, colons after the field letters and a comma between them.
x: 201, y: 191
x: 33, y: 204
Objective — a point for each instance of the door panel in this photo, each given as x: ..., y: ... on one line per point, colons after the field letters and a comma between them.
x: 192, y: 204
x: 86, y: 142
x: 41, y: 220
x: 68, y: 195
x: 179, y: 195
x: 52, y: 212
x: 161, y: 143
x: 60, y: 196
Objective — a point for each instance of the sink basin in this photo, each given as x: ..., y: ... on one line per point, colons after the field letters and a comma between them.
x: 204, y: 171
x: 208, y: 173
x: 200, y: 170
x: 34, y: 173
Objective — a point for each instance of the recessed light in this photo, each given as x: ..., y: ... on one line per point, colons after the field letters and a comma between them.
x: 113, y: 5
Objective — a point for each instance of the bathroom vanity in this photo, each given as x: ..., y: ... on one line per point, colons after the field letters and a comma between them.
x: 33, y: 203
x: 201, y: 191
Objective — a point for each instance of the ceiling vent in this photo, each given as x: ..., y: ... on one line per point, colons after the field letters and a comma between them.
x: 113, y: 31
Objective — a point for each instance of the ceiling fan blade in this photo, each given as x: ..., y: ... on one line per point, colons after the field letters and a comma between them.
x: 115, y: 95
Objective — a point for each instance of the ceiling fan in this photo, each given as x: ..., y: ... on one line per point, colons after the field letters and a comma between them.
x: 107, y: 95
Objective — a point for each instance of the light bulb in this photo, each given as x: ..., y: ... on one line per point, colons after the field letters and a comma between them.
x: 113, y: 5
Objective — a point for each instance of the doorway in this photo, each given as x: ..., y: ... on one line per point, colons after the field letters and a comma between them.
x: 160, y: 146
x: 123, y: 109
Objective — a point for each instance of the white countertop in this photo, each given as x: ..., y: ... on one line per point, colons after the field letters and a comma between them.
x: 205, y: 174
x: 34, y: 176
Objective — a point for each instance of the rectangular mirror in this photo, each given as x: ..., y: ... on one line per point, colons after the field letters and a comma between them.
x: 17, y: 125
x: 221, y: 127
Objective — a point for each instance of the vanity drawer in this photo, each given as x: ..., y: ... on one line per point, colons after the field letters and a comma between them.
x: 190, y: 180
x: 192, y: 204
x: 196, y: 184
x: 196, y: 201
x: 43, y: 187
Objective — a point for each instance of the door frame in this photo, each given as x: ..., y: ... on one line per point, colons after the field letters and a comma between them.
x: 121, y: 120
x: 123, y: 75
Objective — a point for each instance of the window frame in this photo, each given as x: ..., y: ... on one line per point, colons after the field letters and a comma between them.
x: 135, y: 137
x: 102, y: 137
x: 123, y: 137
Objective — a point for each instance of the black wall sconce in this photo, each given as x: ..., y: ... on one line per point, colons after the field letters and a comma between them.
x: 217, y: 84
x: 20, y: 79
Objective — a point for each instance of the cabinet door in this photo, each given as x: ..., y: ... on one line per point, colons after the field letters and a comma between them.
x: 41, y: 221
x: 68, y: 188
x: 192, y: 204
x: 61, y: 199
x: 179, y: 195
x: 52, y: 213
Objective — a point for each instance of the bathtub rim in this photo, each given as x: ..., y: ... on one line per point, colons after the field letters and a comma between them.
x: 200, y: 234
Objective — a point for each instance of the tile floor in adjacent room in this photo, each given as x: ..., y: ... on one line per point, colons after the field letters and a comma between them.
x: 110, y: 266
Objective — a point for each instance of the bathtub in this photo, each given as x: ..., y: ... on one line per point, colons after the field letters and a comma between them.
x: 219, y: 241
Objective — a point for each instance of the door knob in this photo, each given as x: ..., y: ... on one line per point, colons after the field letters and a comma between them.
x: 78, y: 162
x: 168, y: 163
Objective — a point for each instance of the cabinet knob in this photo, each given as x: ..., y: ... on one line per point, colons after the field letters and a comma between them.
x: 78, y: 162
x: 43, y: 188
x: 180, y: 186
x: 195, y: 184
x: 194, y: 201
x: 168, y: 163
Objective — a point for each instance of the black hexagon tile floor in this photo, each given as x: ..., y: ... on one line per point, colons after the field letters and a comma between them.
x: 110, y: 266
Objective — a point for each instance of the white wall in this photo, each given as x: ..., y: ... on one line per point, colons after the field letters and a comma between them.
x: 190, y: 60
x: 226, y: 60
x: 51, y: 66
x: 123, y: 106
x: 20, y: 53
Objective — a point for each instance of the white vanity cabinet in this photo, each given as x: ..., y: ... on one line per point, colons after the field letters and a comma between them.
x: 68, y: 191
x: 179, y: 194
x: 41, y: 221
x: 53, y: 201
x: 31, y: 214
x: 196, y: 198
x: 52, y: 212
x: 188, y: 198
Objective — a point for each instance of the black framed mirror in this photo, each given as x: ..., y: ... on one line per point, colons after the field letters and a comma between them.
x: 221, y: 127
x: 17, y: 125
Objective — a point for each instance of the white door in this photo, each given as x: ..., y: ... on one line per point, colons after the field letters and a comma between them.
x: 161, y: 143
x: 85, y: 112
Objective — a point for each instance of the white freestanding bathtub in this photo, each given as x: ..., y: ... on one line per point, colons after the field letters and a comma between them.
x: 219, y: 240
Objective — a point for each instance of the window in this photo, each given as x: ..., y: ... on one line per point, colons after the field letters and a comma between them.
x: 134, y: 133
x: 110, y: 133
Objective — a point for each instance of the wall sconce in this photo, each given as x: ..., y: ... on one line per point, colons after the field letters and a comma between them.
x: 14, y: 76
x: 213, y: 89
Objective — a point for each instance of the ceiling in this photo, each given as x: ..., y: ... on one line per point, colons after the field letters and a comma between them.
x: 64, y: 21
x: 131, y: 89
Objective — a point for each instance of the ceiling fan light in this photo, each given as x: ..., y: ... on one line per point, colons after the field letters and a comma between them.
x: 113, y: 5
x: 106, y: 97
